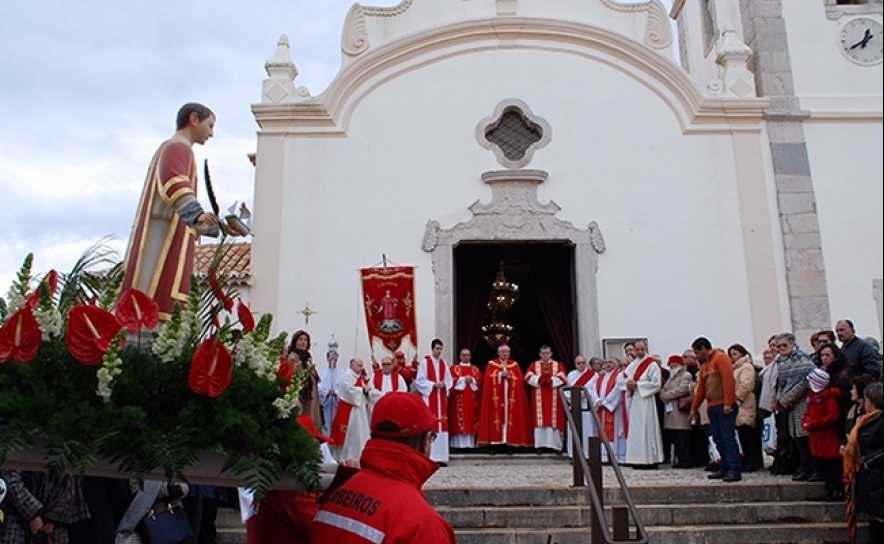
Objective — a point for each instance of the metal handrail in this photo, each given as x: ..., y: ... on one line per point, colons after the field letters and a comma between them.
x: 599, y: 524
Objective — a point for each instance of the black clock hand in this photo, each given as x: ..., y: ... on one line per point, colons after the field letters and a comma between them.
x: 863, y: 42
x: 867, y: 38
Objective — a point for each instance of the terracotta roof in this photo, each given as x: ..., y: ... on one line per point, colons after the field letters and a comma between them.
x: 236, y: 262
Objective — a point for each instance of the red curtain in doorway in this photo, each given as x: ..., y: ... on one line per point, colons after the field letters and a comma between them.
x: 548, y: 265
x: 473, y: 287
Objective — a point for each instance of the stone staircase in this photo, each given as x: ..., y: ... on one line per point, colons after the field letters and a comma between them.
x: 711, y: 513
x: 708, y: 514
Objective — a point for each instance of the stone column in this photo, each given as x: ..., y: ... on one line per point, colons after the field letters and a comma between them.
x: 764, y: 31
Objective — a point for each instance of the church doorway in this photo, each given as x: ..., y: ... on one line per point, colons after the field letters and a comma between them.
x: 544, y: 312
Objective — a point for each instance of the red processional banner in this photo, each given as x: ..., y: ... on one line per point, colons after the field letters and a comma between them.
x: 388, y: 298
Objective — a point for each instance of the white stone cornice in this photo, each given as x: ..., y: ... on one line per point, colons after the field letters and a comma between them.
x: 392, y: 11
x: 331, y: 111
x: 627, y: 8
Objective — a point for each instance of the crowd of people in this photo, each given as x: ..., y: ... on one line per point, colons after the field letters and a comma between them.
x: 810, y: 416
x: 791, y: 412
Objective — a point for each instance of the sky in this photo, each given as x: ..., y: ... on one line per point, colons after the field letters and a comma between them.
x: 89, y: 89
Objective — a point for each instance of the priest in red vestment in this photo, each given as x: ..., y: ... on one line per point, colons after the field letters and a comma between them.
x: 159, y: 259
x: 433, y: 381
x: 503, y: 418
x: 463, y: 420
x: 545, y: 377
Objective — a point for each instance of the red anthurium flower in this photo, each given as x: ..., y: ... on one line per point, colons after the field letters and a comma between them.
x: 246, y: 319
x: 286, y: 372
x: 20, y: 337
x: 90, y: 332
x: 51, y: 279
x: 212, y: 369
x: 136, y: 310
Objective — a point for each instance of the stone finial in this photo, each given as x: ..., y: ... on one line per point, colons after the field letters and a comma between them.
x: 280, y: 65
x: 733, y: 56
x: 279, y: 86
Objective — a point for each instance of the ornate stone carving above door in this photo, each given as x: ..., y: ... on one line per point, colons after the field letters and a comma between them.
x: 515, y: 213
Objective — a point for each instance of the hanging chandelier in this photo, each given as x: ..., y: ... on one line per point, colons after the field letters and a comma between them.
x: 498, y: 332
x: 503, y: 293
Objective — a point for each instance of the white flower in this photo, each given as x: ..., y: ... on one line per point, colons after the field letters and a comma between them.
x: 106, y: 374
x: 50, y: 321
x: 15, y: 300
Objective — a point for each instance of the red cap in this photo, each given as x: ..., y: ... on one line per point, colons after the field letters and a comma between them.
x: 676, y: 359
x: 307, y: 423
x: 399, y: 354
x: 400, y: 415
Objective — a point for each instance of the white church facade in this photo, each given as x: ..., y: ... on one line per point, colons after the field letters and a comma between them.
x: 719, y: 176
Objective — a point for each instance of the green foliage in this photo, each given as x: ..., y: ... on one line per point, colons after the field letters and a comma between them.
x: 151, y: 420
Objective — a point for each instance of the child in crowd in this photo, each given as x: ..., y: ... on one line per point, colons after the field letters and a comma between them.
x: 820, y: 422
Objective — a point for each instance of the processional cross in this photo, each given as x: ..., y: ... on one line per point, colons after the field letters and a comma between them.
x: 307, y: 312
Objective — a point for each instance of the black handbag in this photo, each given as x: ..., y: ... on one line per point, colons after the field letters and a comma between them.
x: 167, y: 526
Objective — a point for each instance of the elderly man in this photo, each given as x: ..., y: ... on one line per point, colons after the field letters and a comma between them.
x: 504, y: 416
x: 644, y: 440
x: 585, y: 378
x: 861, y: 356
x: 464, y: 402
x: 610, y: 395
x: 793, y: 366
x: 387, y: 380
x: 350, y: 427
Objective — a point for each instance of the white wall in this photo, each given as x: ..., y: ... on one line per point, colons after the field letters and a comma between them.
x: 846, y: 163
x: 666, y: 203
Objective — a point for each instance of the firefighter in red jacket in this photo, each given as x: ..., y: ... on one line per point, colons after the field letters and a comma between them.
x: 383, y: 503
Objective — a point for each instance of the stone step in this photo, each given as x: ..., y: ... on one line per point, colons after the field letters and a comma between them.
x: 711, y: 493
x: 717, y: 493
x: 228, y: 518
x: 807, y: 533
x: 507, y: 459
x: 514, y: 517
x: 523, y: 536
x: 793, y: 533
x: 793, y: 512
x: 231, y: 536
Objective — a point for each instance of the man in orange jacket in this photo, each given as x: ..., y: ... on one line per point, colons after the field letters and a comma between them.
x: 716, y: 384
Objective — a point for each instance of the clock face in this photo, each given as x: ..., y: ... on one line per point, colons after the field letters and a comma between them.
x: 862, y: 41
